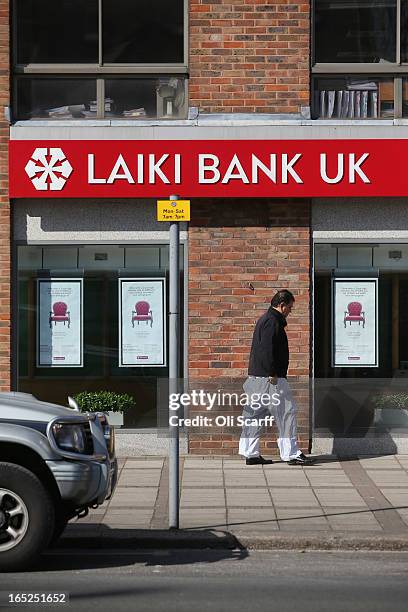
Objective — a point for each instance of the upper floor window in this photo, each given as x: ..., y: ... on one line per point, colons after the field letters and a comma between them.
x: 359, y: 59
x: 354, y: 31
x: 100, y: 32
x: 76, y: 59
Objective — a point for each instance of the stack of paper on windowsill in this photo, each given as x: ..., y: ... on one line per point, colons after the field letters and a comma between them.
x: 134, y: 113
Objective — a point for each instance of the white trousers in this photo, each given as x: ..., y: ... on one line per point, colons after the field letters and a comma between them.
x: 282, y: 406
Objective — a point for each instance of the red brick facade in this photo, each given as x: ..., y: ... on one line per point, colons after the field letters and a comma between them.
x: 234, y: 244
x: 245, y: 56
x: 5, y: 275
x: 249, y: 56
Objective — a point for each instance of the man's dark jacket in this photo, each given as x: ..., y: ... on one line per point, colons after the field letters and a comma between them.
x: 269, y: 351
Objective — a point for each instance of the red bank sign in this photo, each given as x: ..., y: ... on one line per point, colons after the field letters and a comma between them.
x: 207, y: 168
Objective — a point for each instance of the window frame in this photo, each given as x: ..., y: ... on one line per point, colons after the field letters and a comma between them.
x: 99, y: 71
x: 395, y: 70
x: 100, y: 67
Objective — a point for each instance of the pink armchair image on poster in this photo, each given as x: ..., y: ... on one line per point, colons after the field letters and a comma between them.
x: 60, y: 313
x: 354, y: 314
x: 142, y: 312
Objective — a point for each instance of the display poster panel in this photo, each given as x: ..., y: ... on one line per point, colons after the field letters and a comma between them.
x: 59, y: 323
x: 142, y: 328
x: 355, y: 322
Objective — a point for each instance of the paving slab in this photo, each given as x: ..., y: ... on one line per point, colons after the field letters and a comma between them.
x: 299, y: 513
x: 202, y: 464
x: 143, y: 464
x: 287, y: 498
x: 200, y: 498
x: 342, y: 498
x: 129, y: 497
x: 307, y: 524
x: 139, y: 478
x: 380, y: 463
x: 296, y: 519
x: 328, y: 478
x: 277, y: 465
x: 214, y: 518
x: 403, y: 460
x: 403, y: 512
x: 244, y: 498
x: 323, y: 465
x: 389, y: 478
x: 201, y: 478
x: 279, y: 478
x: 137, y: 519
x: 397, y: 497
x: 343, y: 520
x: 252, y: 520
x: 233, y: 478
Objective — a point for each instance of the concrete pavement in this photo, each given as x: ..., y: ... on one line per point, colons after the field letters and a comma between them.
x: 336, y: 503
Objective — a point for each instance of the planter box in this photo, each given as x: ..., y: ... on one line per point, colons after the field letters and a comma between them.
x: 392, y: 417
x: 115, y: 418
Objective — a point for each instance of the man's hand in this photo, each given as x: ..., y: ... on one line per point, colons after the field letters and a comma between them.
x: 273, y: 380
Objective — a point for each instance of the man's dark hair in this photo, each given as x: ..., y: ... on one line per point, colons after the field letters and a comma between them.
x: 283, y: 296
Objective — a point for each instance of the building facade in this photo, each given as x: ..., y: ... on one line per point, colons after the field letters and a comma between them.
x: 284, y: 125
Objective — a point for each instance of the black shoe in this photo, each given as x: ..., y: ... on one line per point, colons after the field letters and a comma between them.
x: 301, y: 460
x: 258, y: 461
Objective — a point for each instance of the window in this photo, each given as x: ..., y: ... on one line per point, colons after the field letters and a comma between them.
x: 142, y: 31
x: 352, y: 400
x: 100, y: 267
x: 100, y: 59
x: 355, y: 31
x: 360, y: 54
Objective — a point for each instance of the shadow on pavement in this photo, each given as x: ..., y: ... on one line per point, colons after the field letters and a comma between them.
x: 151, y: 547
x: 59, y: 560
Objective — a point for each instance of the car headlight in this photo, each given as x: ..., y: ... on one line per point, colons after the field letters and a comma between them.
x: 70, y: 437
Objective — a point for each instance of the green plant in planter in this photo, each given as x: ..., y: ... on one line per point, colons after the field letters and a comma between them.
x: 103, y: 401
x: 397, y: 400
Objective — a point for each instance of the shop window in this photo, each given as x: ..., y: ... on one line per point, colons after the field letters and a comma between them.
x: 57, y: 258
x: 352, y: 399
x: 143, y: 257
x: 352, y: 257
x: 115, y: 59
x: 98, y: 268
x: 104, y: 258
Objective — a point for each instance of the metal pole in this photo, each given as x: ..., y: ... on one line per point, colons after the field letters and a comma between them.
x: 174, y: 269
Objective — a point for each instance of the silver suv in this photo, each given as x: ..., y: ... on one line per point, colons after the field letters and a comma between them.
x: 55, y: 463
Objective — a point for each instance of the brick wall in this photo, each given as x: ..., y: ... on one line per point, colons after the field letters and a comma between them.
x: 233, y: 243
x: 249, y: 55
x: 4, y: 202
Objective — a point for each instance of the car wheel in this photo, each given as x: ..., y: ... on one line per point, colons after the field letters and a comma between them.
x: 26, y: 517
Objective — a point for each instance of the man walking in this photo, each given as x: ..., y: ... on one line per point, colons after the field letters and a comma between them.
x: 267, y: 372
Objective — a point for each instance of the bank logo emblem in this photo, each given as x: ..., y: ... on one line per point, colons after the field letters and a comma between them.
x: 48, y: 169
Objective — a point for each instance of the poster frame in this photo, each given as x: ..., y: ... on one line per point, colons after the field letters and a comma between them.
x: 81, y: 320
x: 343, y: 279
x: 162, y: 281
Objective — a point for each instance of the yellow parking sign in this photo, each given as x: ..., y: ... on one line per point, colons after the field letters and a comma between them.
x: 173, y: 210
